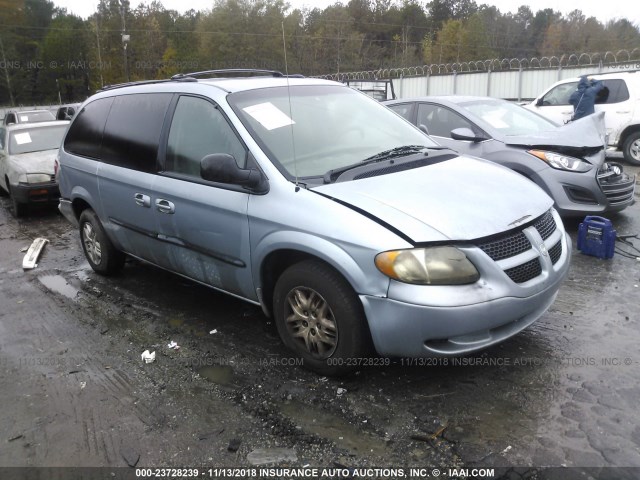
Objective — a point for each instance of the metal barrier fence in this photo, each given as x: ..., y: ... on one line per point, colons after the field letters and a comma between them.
x: 513, y: 79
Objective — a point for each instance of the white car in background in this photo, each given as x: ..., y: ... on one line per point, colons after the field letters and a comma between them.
x: 620, y: 100
x: 28, y: 116
x: 27, y: 157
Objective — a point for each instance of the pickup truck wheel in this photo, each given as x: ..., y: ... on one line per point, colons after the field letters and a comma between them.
x: 100, y: 252
x: 631, y: 148
x: 320, y: 318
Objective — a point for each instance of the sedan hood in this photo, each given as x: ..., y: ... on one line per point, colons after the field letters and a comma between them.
x: 460, y: 199
x: 34, y: 162
x: 586, y: 133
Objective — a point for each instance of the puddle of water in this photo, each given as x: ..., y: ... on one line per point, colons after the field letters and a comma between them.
x: 333, y: 428
x: 220, y: 374
x: 58, y: 284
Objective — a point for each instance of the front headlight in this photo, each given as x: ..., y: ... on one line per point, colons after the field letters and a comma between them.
x: 562, y: 162
x: 34, y: 178
x: 428, y: 266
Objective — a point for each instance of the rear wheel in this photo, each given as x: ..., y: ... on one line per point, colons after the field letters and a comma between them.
x: 631, y: 148
x: 100, y: 252
x: 320, y: 318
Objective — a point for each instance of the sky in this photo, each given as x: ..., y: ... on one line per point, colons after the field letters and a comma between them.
x: 602, y: 10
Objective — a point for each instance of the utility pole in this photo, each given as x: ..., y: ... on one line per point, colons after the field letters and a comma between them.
x: 6, y: 73
x: 125, y: 40
x: 99, y: 52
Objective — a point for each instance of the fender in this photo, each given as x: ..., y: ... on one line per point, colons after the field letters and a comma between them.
x: 370, y: 282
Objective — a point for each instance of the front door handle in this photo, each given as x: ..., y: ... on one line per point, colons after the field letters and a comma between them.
x: 165, y: 206
x: 142, y: 200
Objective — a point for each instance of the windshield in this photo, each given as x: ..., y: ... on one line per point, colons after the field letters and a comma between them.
x: 35, y: 139
x: 509, y: 118
x: 328, y: 127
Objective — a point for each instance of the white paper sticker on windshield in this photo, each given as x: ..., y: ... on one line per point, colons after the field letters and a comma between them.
x: 22, y: 138
x: 269, y: 116
x: 24, y: 118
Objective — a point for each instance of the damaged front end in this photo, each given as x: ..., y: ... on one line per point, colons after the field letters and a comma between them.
x: 618, y: 187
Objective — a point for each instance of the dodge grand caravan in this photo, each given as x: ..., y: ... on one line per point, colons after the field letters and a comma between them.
x: 345, y: 223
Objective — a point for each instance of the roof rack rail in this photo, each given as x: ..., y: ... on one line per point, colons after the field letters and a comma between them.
x: 130, y: 84
x: 223, y: 72
x: 611, y: 72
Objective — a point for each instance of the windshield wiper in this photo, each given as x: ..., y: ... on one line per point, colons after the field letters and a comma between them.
x: 332, y: 175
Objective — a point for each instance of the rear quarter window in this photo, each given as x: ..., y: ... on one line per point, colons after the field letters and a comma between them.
x: 85, y: 133
x: 615, y: 91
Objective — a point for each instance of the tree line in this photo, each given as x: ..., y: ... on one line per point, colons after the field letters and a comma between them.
x: 48, y: 55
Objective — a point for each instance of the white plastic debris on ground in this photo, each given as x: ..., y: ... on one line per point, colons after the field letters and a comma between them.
x: 173, y: 345
x: 213, y: 331
x: 148, y: 357
x: 30, y: 259
x: 341, y: 391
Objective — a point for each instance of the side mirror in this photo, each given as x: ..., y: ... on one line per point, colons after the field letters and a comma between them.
x: 539, y: 102
x: 424, y: 128
x: 466, y: 134
x: 222, y: 168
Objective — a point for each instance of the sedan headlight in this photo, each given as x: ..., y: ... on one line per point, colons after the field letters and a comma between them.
x: 562, y: 162
x: 34, y: 178
x: 428, y: 266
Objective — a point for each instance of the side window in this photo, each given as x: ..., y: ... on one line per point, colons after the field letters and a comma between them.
x: 440, y: 120
x: 133, y: 129
x: 84, y: 137
x: 559, y: 95
x: 403, y: 109
x: 2, y: 134
x: 199, y: 129
x: 615, y: 91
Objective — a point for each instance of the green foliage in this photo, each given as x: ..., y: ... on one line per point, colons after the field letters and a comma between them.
x: 48, y: 55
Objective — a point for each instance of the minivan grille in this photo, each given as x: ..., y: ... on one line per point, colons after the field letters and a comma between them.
x: 525, y: 272
x: 555, y: 252
x: 506, y: 247
x: 513, y: 244
x: 545, y: 225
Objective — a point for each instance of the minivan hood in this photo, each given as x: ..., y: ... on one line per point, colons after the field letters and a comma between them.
x: 587, y: 132
x: 460, y: 199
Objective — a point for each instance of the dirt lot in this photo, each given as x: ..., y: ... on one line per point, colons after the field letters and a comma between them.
x: 76, y: 393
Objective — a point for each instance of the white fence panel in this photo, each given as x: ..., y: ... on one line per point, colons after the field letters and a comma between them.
x: 472, y: 83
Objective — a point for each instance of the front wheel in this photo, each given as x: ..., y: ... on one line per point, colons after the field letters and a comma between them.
x: 100, y: 252
x: 631, y: 148
x: 320, y: 318
x: 19, y: 209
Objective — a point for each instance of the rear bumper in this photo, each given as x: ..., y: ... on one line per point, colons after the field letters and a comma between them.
x: 66, y: 209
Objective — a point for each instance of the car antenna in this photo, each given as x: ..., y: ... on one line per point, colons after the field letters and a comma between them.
x: 286, y: 73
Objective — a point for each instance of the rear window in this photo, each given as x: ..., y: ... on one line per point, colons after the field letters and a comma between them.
x: 35, y: 117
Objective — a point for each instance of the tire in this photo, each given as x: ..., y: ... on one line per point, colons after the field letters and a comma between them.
x: 328, y: 330
x: 18, y: 209
x: 98, y: 249
x: 631, y: 148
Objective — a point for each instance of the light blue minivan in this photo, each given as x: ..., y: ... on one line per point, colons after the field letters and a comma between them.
x: 349, y: 226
